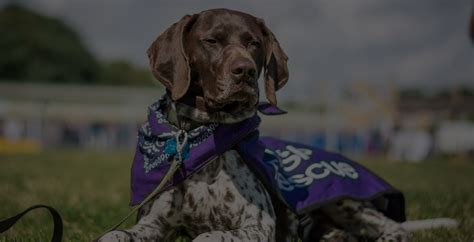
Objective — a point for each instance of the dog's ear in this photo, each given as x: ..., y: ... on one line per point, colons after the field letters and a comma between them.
x: 275, y: 64
x: 168, y: 60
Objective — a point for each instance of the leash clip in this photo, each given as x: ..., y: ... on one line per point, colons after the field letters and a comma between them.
x: 181, y: 141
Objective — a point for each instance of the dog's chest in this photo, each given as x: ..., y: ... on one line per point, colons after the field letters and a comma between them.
x: 221, y: 195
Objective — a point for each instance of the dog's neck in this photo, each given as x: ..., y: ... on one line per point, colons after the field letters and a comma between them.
x: 190, y: 113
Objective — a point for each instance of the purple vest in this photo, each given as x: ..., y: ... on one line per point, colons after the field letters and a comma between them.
x: 302, y: 177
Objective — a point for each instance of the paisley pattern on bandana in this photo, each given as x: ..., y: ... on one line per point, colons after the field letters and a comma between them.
x: 157, y: 149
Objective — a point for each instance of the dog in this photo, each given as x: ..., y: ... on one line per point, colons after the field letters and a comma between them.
x: 210, y: 63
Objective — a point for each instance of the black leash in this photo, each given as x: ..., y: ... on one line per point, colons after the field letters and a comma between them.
x: 58, y: 222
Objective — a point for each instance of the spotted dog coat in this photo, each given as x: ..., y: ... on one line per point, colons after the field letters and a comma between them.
x: 222, y: 202
x: 211, y: 61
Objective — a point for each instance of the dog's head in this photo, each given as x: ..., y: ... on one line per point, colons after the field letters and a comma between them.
x: 218, y: 55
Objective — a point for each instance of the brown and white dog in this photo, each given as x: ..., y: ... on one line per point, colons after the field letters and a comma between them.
x: 211, y: 62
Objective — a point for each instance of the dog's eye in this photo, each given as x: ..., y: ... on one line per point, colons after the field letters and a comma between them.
x: 254, y: 43
x: 210, y: 41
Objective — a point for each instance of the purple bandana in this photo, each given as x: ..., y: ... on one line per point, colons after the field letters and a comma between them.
x: 303, y: 177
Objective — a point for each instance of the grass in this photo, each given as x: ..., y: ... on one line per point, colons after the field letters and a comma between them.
x: 91, y: 192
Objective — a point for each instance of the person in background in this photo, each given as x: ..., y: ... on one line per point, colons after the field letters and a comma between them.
x: 471, y: 24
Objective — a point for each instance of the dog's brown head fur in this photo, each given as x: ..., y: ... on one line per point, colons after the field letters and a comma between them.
x: 218, y: 55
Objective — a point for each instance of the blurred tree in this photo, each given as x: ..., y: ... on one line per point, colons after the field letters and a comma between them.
x: 39, y: 48
x: 36, y: 48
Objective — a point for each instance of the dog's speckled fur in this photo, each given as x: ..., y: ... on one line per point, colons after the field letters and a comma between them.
x: 223, y: 200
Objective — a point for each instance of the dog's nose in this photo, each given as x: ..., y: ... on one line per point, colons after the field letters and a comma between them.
x: 242, y: 68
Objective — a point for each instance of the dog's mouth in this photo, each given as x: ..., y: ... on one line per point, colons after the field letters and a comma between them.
x: 234, y: 104
x: 231, y: 107
x: 234, y: 107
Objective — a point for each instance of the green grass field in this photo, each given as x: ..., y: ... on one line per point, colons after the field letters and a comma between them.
x: 91, y: 192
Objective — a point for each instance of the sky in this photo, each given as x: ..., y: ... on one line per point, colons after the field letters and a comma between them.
x: 421, y: 43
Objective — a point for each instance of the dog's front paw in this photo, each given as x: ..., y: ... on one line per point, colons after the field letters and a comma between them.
x: 115, y: 236
x: 399, y: 235
x: 337, y: 235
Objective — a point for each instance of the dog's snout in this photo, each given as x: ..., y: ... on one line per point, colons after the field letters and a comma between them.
x: 242, y: 68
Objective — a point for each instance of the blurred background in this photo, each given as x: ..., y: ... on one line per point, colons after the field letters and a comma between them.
x: 376, y: 80
x: 367, y: 78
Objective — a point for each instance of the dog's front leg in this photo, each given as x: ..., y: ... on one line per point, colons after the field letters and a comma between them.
x: 247, y: 234
x: 155, y: 220
x: 258, y: 224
